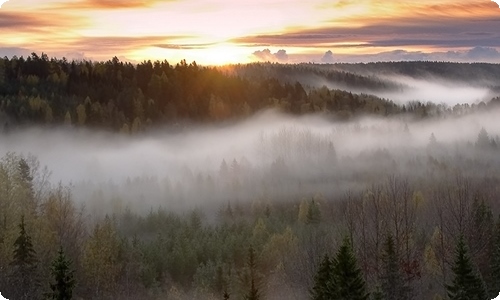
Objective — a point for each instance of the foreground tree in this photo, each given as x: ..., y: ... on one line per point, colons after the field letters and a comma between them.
x: 348, y: 277
x: 339, y: 278
x: 253, y: 292
x: 324, y: 281
x: 64, y: 282
x: 466, y: 285
x: 24, y: 280
x: 392, y: 282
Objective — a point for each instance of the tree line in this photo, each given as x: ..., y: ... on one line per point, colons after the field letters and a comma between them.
x: 121, y: 96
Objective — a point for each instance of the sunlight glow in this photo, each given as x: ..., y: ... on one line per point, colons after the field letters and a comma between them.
x: 221, y: 31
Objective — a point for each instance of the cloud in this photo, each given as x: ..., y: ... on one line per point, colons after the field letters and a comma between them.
x: 328, y: 57
x: 108, y: 4
x: 266, y: 55
x: 14, y: 51
x: 281, y: 55
x: 482, y: 53
x: 20, y: 21
x: 475, y: 54
x: 416, y: 30
x: 498, y: 3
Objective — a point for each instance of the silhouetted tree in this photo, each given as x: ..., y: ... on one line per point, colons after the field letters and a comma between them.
x: 392, y: 280
x: 349, y: 280
x: 324, y: 281
x: 466, y: 284
x: 24, y: 279
x: 64, y: 282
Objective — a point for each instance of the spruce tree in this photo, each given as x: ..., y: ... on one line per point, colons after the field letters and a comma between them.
x: 324, y: 281
x: 254, y: 292
x: 466, y: 285
x: 392, y: 282
x: 64, y: 282
x: 24, y: 279
x: 348, y: 277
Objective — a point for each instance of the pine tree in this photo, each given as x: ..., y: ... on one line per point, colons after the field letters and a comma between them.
x: 324, y: 281
x: 392, y: 282
x: 24, y: 280
x: 348, y: 277
x: 466, y: 284
x: 62, y: 289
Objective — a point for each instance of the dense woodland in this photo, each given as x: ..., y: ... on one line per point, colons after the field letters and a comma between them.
x: 120, y: 96
x: 301, y: 221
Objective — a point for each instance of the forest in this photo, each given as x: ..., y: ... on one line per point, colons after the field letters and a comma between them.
x: 259, y: 181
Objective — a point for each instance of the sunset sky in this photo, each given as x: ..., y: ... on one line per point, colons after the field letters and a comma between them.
x: 230, y: 31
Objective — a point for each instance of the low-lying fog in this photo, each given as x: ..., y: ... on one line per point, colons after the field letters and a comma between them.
x: 438, y: 90
x: 267, y: 156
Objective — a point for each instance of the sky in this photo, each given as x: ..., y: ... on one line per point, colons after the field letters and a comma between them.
x: 240, y: 31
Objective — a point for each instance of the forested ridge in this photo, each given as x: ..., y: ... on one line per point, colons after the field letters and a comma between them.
x: 120, y: 96
x: 357, y: 209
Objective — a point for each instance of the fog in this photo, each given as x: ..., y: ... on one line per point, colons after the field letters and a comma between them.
x: 435, y: 90
x: 268, y: 156
x: 438, y: 91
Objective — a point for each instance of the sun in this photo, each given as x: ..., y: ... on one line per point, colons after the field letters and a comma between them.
x: 214, y: 55
x: 2, y: 2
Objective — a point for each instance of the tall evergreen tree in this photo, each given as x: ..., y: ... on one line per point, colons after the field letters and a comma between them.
x: 392, y: 282
x: 64, y: 282
x: 466, y: 283
x: 324, y: 281
x: 253, y: 293
x: 348, y: 277
x: 24, y: 280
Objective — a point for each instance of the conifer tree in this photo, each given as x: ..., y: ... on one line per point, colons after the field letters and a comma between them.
x: 392, y: 282
x: 324, y: 281
x: 348, y: 277
x: 64, y: 282
x: 254, y: 292
x: 24, y: 280
x: 466, y: 283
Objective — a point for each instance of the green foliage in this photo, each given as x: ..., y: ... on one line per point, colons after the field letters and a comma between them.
x: 466, y: 283
x: 348, y: 277
x: 64, y: 281
x: 24, y: 280
x: 253, y: 292
x: 324, y: 281
x: 392, y: 282
x: 341, y: 278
